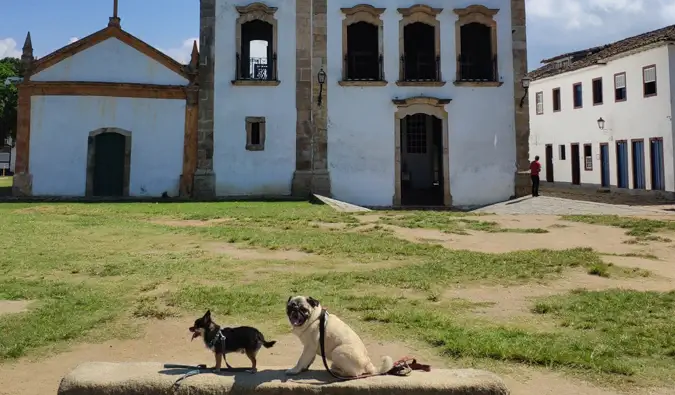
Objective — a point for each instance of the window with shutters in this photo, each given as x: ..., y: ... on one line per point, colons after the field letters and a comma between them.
x: 577, y: 95
x: 620, y: 93
x: 540, y: 102
x: 597, y: 91
x: 649, y: 81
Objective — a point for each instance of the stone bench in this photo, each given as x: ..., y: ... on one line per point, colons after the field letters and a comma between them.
x: 149, y: 378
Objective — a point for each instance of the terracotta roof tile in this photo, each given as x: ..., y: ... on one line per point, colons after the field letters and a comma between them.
x: 591, y: 56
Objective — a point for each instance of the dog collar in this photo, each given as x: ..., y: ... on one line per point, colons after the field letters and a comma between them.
x: 219, y: 338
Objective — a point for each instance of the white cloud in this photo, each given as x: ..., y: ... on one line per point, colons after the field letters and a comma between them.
x: 8, y: 48
x: 555, y: 26
x: 182, y: 52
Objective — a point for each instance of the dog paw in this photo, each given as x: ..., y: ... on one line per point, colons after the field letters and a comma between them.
x: 292, y: 372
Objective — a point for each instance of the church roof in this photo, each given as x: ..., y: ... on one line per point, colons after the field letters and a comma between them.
x: 111, y: 31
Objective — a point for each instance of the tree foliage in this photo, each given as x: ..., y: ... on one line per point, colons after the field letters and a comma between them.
x: 9, y: 67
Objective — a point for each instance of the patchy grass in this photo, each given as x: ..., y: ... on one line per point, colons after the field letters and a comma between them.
x: 64, y: 312
x: 6, y: 182
x: 93, y: 265
x: 451, y: 223
x: 642, y: 229
x: 621, y: 331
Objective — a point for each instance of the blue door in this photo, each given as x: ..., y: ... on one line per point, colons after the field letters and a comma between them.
x: 604, y: 163
x: 638, y: 148
x: 656, y: 164
x: 622, y: 164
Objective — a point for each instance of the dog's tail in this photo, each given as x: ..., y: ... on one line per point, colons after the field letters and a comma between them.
x: 387, y: 365
x: 269, y: 344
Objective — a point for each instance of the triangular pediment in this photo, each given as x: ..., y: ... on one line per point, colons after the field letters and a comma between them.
x: 110, y: 55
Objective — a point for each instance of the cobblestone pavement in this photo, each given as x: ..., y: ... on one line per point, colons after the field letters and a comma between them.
x: 558, y: 206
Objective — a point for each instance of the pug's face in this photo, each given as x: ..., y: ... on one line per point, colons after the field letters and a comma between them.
x: 300, y: 308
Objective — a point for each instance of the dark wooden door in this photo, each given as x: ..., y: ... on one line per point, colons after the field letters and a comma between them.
x: 549, y: 163
x: 576, y: 165
x: 109, y: 164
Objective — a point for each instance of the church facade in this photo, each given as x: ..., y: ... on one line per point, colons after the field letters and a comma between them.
x: 385, y: 103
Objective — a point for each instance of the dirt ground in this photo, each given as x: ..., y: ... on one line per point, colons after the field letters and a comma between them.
x: 168, y: 341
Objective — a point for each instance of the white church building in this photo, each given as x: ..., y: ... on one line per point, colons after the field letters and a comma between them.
x: 602, y: 117
x: 386, y: 103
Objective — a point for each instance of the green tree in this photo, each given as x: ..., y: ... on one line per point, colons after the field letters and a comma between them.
x: 9, y: 67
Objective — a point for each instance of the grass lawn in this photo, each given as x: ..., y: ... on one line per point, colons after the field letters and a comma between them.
x: 93, y: 267
x: 5, y: 182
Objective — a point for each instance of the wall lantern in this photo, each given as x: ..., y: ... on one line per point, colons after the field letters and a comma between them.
x: 601, y: 123
x: 525, y: 83
x: 322, y: 80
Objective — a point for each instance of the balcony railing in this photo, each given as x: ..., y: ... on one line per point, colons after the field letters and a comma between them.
x: 256, y: 69
x: 421, y: 67
x: 360, y: 67
x: 470, y: 70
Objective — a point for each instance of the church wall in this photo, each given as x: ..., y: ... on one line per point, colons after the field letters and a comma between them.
x: 361, y: 125
x: 60, y: 127
x: 111, y: 61
x: 239, y: 171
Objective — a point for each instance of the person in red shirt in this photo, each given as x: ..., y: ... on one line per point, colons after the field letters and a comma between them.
x: 535, y: 168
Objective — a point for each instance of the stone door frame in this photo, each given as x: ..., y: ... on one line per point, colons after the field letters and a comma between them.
x: 91, y: 158
x: 421, y: 105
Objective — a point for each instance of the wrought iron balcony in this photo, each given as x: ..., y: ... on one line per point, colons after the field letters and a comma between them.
x: 422, y: 67
x: 256, y: 69
x: 471, y: 70
x: 364, y: 67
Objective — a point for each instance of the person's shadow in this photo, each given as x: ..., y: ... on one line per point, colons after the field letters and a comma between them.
x: 243, y: 378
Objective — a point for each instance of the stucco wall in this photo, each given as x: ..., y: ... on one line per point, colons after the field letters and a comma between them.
x: 238, y: 171
x: 60, y: 126
x: 110, y: 61
x: 636, y: 118
x: 361, y: 119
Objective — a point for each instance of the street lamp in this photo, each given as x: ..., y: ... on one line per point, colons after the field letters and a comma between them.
x: 601, y: 123
x: 322, y: 80
x: 525, y: 83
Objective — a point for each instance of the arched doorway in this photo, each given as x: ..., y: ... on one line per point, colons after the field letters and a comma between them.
x: 108, y: 162
x: 421, y: 160
x: 422, y: 154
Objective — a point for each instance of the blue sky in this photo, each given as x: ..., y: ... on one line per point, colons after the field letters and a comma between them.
x: 554, y: 26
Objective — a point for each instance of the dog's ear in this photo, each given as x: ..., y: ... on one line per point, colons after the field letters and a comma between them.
x: 313, y: 302
x: 289, y: 299
x: 207, y: 315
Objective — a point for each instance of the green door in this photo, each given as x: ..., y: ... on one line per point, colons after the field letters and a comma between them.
x: 109, y: 164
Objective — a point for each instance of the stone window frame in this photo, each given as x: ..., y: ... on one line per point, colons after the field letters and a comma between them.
x: 428, y: 15
x: 480, y: 14
x: 91, y: 158
x: 421, y: 105
x: 362, y: 13
x: 263, y: 12
x: 249, y: 132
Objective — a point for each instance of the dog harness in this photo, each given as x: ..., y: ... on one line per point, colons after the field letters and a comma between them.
x: 219, y: 338
x: 402, y: 367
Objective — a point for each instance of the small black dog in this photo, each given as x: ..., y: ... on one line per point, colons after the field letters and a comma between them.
x: 221, y: 341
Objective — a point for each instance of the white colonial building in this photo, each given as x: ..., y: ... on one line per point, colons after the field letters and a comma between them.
x: 385, y: 103
x: 603, y: 116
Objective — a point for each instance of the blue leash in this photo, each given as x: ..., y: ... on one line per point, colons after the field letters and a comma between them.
x: 195, y: 370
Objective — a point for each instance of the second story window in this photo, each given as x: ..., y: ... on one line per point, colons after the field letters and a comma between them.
x: 620, y: 93
x: 362, y: 46
x: 577, y: 95
x: 363, y: 52
x: 540, y: 102
x: 476, y: 46
x: 256, y: 38
x: 420, y: 58
x: 556, y: 99
x: 597, y: 91
x: 649, y: 81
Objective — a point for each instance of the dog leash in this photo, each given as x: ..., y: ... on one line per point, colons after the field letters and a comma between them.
x: 403, y: 367
x: 194, y: 371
